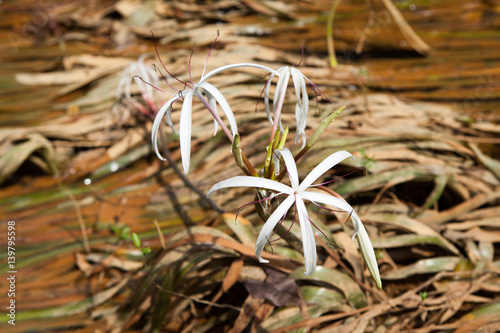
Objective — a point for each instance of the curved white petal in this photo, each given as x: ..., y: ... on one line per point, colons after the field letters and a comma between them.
x: 185, y: 131
x: 213, y: 105
x: 301, y: 106
x: 223, y: 104
x: 269, y: 226
x: 247, y: 181
x: 164, y: 111
x: 266, y: 99
x: 233, y: 66
x: 291, y: 167
x: 308, y: 241
x: 280, y: 90
x: 329, y: 200
x: 364, y: 242
x: 323, y: 167
x: 366, y: 248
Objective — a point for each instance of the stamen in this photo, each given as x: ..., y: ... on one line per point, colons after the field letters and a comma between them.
x: 324, y: 235
x: 317, y: 91
x: 274, y: 231
x: 301, y: 55
x: 328, y: 209
x: 209, y: 52
x: 159, y: 58
x: 149, y: 84
x: 263, y: 89
x: 254, y: 202
x: 189, y: 63
x: 164, y: 77
x: 335, y: 179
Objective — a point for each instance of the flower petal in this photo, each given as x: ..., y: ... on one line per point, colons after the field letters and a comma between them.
x: 247, y: 181
x: 327, y: 199
x: 164, y: 111
x: 301, y: 106
x: 270, y: 224
x: 281, y: 87
x: 291, y: 167
x: 185, y: 131
x: 213, y: 104
x: 308, y: 241
x: 266, y: 99
x: 366, y: 248
x: 323, y: 167
x: 364, y: 242
x: 223, y: 104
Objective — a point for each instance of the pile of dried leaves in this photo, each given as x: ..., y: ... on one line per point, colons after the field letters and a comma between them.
x: 423, y: 182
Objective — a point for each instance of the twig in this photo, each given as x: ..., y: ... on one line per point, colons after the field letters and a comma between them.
x: 78, y: 211
x: 160, y: 235
x: 186, y: 180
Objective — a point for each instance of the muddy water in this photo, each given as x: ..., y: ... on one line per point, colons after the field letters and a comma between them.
x: 463, y: 68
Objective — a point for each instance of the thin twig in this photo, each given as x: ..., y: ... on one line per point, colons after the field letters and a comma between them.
x: 78, y: 211
x: 160, y: 235
x: 186, y: 180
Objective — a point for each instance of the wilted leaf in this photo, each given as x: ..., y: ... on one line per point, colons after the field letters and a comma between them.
x: 353, y: 293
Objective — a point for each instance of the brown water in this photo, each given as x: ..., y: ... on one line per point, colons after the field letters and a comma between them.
x: 463, y: 69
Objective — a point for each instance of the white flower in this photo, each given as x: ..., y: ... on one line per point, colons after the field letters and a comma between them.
x: 213, y: 97
x: 296, y: 194
x: 302, y: 104
x: 137, y: 68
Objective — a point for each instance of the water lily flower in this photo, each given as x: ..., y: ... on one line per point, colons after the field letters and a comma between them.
x: 296, y: 193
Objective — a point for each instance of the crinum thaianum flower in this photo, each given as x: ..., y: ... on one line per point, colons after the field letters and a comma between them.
x: 296, y: 194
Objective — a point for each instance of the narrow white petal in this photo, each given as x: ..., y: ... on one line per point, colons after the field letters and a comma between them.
x: 280, y: 89
x: 164, y: 111
x: 302, y: 104
x: 269, y: 226
x: 213, y: 104
x: 119, y: 87
x: 323, y: 167
x: 324, y: 198
x: 308, y: 241
x: 364, y: 242
x: 366, y: 247
x: 223, y: 104
x: 247, y: 181
x: 291, y: 167
x: 266, y: 99
x: 185, y: 131
x: 233, y: 66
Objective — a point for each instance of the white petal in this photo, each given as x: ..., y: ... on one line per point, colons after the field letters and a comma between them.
x: 270, y: 224
x: 213, y: 104
x: 366, y: 247
x: 323, y: 167
x: 223, y: 104
x: 185, y: 131
x: 308, y: 241
x: 247, y: 181
x: 291, y: 167
x: 266, y: 99
x: 302, y: 104
x: 281, y: 90
x: 329, y: 200
x: 164, y: 110
x: 364, y: 242
x: 233, y: 66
